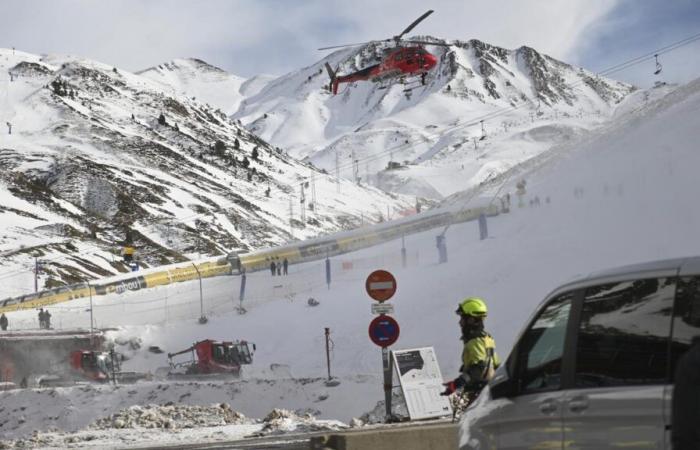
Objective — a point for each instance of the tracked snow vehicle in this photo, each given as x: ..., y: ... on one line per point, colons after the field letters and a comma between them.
x: 92, y: 366
x: 211, y: 359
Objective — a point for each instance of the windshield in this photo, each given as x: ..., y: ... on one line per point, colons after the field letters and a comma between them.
x: 103, y: 364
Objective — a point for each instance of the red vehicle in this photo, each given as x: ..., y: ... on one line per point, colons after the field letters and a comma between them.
x: 399, y: 61
x: 92, y: 366
x: 213, y: 357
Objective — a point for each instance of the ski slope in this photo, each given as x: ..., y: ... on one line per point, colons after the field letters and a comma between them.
x: 636, y: 200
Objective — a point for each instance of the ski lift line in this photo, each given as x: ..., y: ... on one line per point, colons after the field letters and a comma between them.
x: 660, y: 51
x: 494, y: 114
x: 612, y: 69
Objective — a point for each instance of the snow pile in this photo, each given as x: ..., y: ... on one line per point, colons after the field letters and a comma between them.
x: 284, y: 421
x: 399, y: 411
x: 171, y: 416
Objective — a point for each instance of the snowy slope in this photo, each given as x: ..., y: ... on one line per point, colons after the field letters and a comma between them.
x: 637, y: 203
x: 88, y: 163
x: 198, y: 80
x: 527, y: 101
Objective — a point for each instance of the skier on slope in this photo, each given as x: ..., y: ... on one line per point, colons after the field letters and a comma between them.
x: 479, y: 358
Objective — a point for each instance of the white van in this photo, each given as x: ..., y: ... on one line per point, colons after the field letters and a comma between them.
x: 593, y: 367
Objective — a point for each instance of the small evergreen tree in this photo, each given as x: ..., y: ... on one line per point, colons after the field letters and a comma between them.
x: 236, y: 144
x: 245, y: 163
x: 255, y: 153
x: 219, y: 148
x: 161, y: 119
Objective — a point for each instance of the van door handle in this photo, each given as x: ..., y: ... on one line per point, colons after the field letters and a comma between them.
x: 548, y: 407
x: 578, y: 404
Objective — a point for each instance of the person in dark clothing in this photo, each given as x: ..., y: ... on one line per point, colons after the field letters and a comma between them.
x: 279, y: 268
x: 273, y: 269
x: 47, y: 319
x: 3, y: 322
x: 41, y: 318
x: 685, y: 432
x: 285, y: 264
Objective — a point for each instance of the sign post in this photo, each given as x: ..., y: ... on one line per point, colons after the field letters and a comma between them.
x: 383, y: 330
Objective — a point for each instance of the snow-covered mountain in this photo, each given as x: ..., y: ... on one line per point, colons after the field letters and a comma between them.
x: 527, y: 102
x: 625, y: 195
x: 201, y: 81
x: 91, y: 154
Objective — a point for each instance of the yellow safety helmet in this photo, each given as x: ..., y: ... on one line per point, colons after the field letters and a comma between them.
x: 472, y: 306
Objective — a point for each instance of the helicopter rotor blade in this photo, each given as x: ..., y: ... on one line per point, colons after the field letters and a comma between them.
x: 345, y: 45
x: 413, y: 25
x: 440, y: 44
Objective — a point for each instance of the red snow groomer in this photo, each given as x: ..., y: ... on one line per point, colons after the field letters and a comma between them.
x: 92, y: 366
x: 212, y: 358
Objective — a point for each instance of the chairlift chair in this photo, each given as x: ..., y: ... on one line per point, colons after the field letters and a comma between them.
x: 659, y: 67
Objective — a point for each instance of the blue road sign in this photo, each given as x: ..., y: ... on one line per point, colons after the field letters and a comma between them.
x: 384, y: 330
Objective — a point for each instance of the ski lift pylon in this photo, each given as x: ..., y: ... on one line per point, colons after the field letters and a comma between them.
x: 659, y: 67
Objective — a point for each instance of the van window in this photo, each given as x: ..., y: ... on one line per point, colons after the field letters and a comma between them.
x: 541, y: 349
x: 686, y: 317
x: 624, y: 333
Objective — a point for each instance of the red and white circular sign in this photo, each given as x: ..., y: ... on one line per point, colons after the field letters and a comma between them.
x: 380, y: 285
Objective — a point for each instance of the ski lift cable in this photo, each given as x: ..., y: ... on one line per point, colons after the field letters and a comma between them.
x: 612, y: 69
x: 492, y: 115
x: 619, y: 67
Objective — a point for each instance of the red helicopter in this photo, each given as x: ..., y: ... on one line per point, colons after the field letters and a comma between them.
x: 399, y: 61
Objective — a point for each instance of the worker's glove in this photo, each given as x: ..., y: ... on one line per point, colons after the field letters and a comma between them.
x: 452, y: 386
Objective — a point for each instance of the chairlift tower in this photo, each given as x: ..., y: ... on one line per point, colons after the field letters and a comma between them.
x: 337, y: 172
x: 302, y: 205
x: 313, y: 192
x: 291, y: 216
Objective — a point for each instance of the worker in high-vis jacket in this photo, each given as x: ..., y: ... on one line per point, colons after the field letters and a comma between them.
x: 479, y: 358
x: 128, y: 253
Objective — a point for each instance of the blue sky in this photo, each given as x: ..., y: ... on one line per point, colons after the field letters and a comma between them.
x: 248, y: 37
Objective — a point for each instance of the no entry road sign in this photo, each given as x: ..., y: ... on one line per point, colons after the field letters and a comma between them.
x: 384, y: 330
x: 380, y: 285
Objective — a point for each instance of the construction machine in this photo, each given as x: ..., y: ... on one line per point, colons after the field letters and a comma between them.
x: 92, y: 366
x: 212, y: 358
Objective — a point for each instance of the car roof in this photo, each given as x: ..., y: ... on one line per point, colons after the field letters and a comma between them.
x: 662, y: 267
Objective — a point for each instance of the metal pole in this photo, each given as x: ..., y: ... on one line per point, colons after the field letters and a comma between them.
x: 92, y: 332
x: 386, y: 361
x: 403, y: 251
x: 202, y: 318
x: 114, y: 375
x: 328, y: 353
x: 241, y: 294
x: 328, y: 272
x: 36, y: 274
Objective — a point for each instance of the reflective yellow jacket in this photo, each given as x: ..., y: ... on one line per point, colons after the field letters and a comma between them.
x: 479, y: 358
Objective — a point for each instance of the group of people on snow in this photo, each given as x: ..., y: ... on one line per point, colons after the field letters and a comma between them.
x: 279, y: 268
x: 44, y: 319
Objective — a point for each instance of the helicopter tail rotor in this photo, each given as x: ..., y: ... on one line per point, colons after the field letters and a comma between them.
x: 333, y: 86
